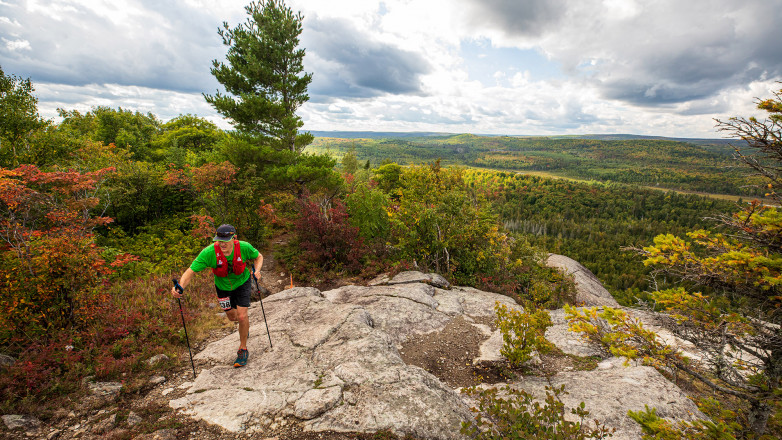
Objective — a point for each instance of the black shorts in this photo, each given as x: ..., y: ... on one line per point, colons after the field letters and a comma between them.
x: 230, y: 299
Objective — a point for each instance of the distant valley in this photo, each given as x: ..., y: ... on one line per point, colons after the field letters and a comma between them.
x: 690, y: 165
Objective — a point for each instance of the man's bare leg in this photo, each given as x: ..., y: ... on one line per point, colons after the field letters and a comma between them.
x: 239, y: 315
x: 244, y: 327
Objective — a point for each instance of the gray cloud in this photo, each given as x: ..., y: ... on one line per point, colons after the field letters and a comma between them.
x: 166, y: 45
x: 653, y: 53
x: 348, y: 64
x: 517, y: 17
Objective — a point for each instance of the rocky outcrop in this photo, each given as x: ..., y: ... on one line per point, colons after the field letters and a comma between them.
x: 590, y: 292
x: 335, y: 365
x: 433, y: 279
x: 26, y: 423
x: 612, y: 389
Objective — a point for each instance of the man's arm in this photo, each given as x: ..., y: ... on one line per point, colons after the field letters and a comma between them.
x: 183, y: 281
x: 257, y: 264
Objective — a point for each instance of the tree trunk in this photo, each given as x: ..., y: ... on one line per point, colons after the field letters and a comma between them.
x: 759, y: 413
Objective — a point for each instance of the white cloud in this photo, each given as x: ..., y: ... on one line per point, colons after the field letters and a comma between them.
x: 7, y: 21
x: 15, y: 45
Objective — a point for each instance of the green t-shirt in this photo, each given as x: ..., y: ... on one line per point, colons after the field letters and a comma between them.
x: 208, y: 259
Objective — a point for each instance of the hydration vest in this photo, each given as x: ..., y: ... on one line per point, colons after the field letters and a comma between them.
x: 222, y: 262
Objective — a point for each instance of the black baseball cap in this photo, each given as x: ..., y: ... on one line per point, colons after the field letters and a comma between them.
x: 224, y: 233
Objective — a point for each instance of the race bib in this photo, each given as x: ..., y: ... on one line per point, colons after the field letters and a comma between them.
x: 225, y: 303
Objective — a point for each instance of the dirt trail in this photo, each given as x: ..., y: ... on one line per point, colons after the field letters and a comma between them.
x: 273, y: 276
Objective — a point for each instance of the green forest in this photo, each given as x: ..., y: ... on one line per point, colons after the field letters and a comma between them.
x: 594, y: 223
x: 701, y: 167
x: 100, y: 209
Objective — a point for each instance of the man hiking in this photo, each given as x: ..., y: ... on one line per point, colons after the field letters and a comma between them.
x: 228, y: 258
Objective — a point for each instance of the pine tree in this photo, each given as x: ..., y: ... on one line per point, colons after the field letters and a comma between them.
x: 263, y: 76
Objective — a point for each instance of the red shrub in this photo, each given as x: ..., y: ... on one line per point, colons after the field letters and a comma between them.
x: 326, y: 238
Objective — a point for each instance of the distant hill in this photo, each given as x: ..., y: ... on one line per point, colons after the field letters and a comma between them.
x: 600, y: 137
x: 376, y: 134
x: 625, y: 137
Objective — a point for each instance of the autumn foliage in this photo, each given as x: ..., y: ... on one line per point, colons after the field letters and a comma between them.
x: 51, y: 269
x: 326, y: 238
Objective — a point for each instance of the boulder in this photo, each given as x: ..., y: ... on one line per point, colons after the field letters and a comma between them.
x: 439, y: 281
x: 14, y: 421
x: 6, y: 361
x: 107, y: 390
x: 156, y: 359
x: 104, y: 425
x: 379, y: 280
x: 410, y: 276
x: 589, y: 290
x: 133, y: 419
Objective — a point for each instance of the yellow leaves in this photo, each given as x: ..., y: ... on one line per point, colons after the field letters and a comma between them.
x: 719, y: 257
x: 616, y: 333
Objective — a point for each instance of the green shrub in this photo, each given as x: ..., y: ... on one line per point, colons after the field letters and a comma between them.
x: 518, y: 416
x: 655, y: 428
x: 522, y: 333
x: 367, y: 212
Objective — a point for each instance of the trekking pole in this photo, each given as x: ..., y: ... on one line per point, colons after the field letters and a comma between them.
x: 181, y: 290
x: 258, y: 287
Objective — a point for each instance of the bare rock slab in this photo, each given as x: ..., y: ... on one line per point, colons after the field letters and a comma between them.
x: 317, y: 401
x: 156, y: 359
x: 334, y: 366
x: 610, y: 391
x: 400, y: 311
x: 567, y: 341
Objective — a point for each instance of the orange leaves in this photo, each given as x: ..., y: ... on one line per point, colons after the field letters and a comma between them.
x: 203, y: 226
x: 205, y: 178
x: 123, y: 259
x: 34, y: 200
x: 267, y: 212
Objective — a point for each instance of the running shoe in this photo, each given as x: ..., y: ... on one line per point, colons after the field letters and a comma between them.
x: 241, y: 358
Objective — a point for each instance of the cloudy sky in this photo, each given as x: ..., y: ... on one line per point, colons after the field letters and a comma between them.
x: 656, y: 67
